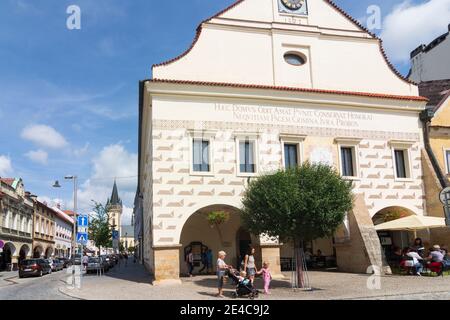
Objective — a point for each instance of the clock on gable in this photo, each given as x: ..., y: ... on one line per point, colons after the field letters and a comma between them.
x: 293, y: 6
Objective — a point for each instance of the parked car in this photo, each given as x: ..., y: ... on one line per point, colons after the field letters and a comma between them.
x: 108, y: 261
x: 57, y: 265
x: 76, y: 260
x: 66, y: 262
x: 94, y: 264
x: 34, y: 267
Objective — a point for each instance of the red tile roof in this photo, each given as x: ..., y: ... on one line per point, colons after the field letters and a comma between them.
x: 331, y: 3
x: 8, y: 181
x: 293, y: 89
x: 69, y: 212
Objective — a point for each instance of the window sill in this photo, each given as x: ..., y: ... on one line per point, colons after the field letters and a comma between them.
x: 404, y: 180
x: 246, y: 175
x: 201, y: 174
x: 352, y: 178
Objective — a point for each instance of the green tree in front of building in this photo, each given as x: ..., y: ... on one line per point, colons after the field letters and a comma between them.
x: 299, y: 205
x: 100, y: 231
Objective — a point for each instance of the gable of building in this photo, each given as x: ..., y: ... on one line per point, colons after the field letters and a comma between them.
x: 247, y: 43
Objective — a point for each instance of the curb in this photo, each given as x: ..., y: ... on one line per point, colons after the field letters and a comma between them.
x: 60, y: 289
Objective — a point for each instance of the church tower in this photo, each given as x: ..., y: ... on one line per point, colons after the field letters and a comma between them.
x: 114, y: 208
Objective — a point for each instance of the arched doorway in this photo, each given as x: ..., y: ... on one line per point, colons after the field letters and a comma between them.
x: 243, y: 244
x: 8, y: 253
x: 37, y: 252
x: 199, y: 231
x: 23, y: 253
x: 390, y: 240
x: 48, y: 252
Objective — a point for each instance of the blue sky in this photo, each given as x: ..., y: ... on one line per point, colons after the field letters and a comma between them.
x: 68, y: 99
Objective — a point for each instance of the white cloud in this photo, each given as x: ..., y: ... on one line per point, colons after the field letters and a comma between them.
x: 410, y: 25
x: 38, y: 156
x: 112, y: 162
x: 82, y: 151
x: 5, y: 165
x: 44, y: 136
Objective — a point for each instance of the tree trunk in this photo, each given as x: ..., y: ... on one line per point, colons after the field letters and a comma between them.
x: 298, y: 256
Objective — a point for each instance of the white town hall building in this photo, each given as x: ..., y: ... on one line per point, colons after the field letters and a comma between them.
x: 268, y: 84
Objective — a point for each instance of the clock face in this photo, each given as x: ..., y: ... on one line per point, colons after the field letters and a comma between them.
x: 293, y: 4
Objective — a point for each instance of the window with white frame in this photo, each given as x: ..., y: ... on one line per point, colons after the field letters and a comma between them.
x: 201, y: 155
x: 348, y: 157
x: 401, y: 159
x: 201, y: 152
x: 447, y: 160
x: 247, y: 156
x: 292, y: 149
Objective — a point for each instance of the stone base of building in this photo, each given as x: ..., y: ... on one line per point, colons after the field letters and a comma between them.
x: 362, y: 253
x: 167, y: 265
x: 271, y: 254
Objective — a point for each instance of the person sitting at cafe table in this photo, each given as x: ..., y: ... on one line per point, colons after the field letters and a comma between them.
x: 435, y: 254
x: 418, y: 246
x: 417, y: 260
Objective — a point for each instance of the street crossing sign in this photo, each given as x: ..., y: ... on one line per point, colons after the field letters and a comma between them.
x: 83, y: 221
x: 82, y: 238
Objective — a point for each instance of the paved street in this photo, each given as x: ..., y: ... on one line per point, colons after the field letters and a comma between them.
x: 45, y: 288
x: 132, y: 282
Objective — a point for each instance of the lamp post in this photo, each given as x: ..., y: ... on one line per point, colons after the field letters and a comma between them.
x: 74, y: 235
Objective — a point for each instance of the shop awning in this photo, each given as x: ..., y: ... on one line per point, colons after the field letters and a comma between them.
x: 412, y: 223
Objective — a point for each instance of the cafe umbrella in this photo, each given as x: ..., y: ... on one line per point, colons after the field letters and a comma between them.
x: 412, y: 223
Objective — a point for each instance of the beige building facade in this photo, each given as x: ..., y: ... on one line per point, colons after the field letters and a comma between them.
x: 264, y: 87
x: 43, y: 231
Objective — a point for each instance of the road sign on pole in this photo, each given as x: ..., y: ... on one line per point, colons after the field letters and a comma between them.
x: 82, y: 238
x: 83, y: 221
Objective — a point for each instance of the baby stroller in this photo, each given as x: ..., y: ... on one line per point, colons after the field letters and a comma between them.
x: 243, y: 288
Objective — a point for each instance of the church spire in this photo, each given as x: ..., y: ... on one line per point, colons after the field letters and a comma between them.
x: 115, y: 200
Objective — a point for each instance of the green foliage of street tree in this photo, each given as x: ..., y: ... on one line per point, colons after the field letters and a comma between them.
x: 100, y: 231
x: 300, y: 205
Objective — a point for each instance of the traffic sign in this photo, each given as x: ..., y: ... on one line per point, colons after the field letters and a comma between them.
x: 83, y: 221
x: 82, y: 229
x: 82, y: 238
x: 115, y: 235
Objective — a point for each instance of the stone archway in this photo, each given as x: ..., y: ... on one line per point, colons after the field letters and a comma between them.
x: 38, y: 252
x: 48, y: 252
x: 9, y: 250
x: 391, y: 240
x: 198, y: 230
x: 23, y: 253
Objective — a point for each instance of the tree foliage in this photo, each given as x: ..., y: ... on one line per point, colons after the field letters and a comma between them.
x: 99, y: 229
x: 300, y: 204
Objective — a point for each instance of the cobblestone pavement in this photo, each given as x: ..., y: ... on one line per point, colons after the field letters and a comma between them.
x: 45, y: 288
x: 133, y: 283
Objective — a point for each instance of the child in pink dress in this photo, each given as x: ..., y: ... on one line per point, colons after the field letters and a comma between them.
x: 267, y: 277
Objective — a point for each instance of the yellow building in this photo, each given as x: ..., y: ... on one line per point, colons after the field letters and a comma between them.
x: 437, y: 170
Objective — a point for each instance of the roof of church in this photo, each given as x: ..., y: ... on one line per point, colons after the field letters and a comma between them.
x: 114, y: 200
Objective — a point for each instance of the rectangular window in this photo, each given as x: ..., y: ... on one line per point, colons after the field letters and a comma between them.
x: 447, y: 160
x: 290, y: 156
x: 400, y: 164
x: 247, y: 156
x: 201, y: 156
x: 348, y: 168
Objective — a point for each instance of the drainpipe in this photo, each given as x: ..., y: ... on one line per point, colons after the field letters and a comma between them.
x: 426, y: 116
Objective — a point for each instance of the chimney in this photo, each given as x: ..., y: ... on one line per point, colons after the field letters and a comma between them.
x: 27, y: 194
x: 58, y: 205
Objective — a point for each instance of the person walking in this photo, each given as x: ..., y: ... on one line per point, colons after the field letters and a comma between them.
x: 190, y: 262
x: 267, y: 276
x: 85, y: 262
x: 204, y: 261
x: 222, y: 269
x: 249, y: 264
x: 209, y: 258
